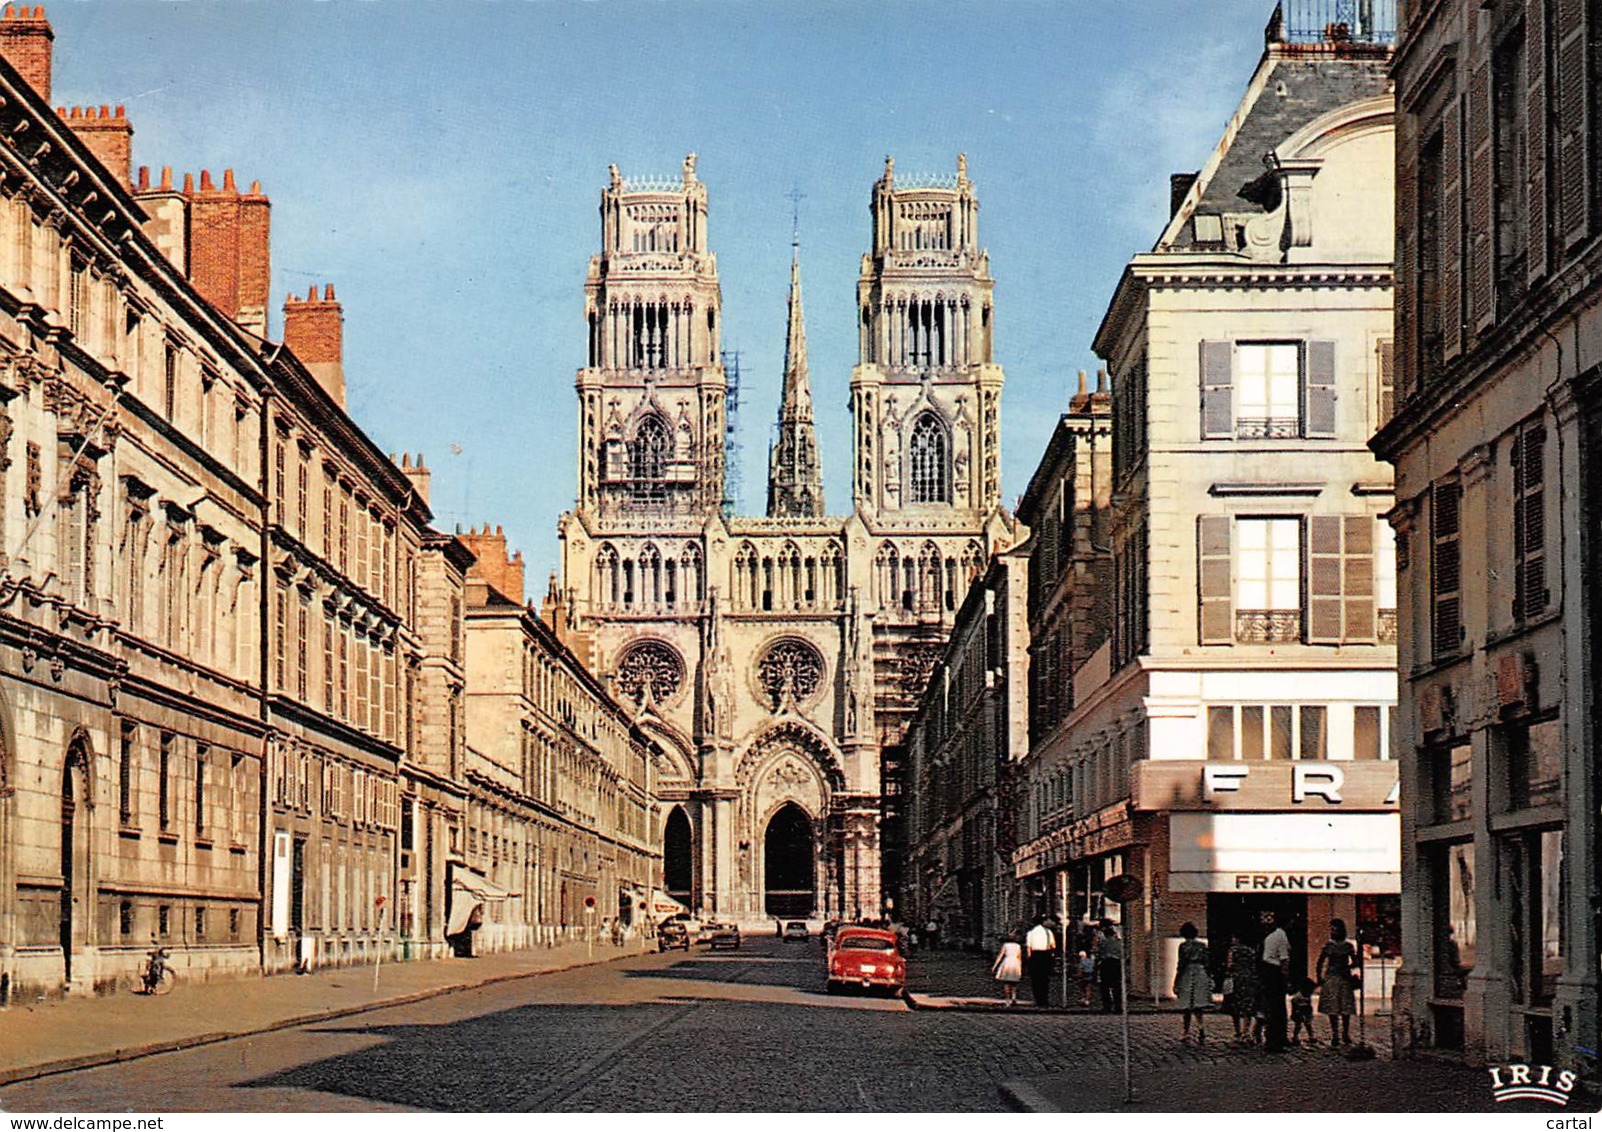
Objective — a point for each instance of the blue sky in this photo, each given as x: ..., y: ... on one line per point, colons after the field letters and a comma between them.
x: 441, y: 165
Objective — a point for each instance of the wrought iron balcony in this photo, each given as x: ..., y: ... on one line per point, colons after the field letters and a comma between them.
x: 1267, y: 428
x: 1268, y: 626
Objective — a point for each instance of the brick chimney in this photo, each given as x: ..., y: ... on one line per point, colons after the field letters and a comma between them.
x: 418, y: 473
x: 504, y: 575
x: 108, y: 135
x: 25, y: 41
x: 229, y: 248
x: 314, y: 331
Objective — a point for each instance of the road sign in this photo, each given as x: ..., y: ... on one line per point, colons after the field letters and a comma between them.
x: 589, y: 905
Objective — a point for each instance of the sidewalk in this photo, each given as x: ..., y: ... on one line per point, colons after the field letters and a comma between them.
x: 60, y: 1035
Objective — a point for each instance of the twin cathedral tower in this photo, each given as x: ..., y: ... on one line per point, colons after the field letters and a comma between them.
x: 778, y: 659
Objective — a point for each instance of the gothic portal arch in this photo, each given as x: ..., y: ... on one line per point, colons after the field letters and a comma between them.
x: 789, y: 862
x: 678, y: 857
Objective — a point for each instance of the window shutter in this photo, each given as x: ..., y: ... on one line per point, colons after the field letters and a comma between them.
x: 1529, y: 523
x: 1357, y: 580
x: 1573, y: 126
x: 1218, y: 407
x: 1450, y: 224
x: 1446, y: 568
x: 1535, y: 133
x: 1385, y: 373
x: 1324, y: 580
x: 1320, y: 393
x: 1482, y: 250
x: 1215, y: 581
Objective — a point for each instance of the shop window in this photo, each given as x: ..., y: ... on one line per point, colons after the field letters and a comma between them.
x: 1454, y: 928
x: 1367, y: 733
x: 1451, y: 774
x: 1313, y: 732
x: 1534, y: 871
x: 1220, y: 733
x: 1534, y: 764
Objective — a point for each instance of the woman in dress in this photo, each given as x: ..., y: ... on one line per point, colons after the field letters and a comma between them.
x: 1339, y: 969
x: 1242, y: 991
x: 1008, y: 968
x: 1193, y: 984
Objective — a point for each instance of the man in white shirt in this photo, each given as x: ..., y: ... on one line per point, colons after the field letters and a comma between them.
x: 1275, y: 977
x: 1040, y: 946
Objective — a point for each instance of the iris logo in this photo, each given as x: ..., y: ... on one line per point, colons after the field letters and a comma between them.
x: 1531, y: 1082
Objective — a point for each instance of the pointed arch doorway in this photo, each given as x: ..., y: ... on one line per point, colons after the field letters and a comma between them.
x: 789, y: 854
x: 678, y: 857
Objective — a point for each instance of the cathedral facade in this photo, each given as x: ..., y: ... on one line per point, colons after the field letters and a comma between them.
x: 776, y: 659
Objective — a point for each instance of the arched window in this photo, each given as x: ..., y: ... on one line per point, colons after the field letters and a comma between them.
x: 648, y: 453
x: 930, y: 475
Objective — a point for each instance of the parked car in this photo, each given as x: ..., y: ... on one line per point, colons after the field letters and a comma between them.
x: 725, y: 936
x: 795, y: 929
x: 672, y: 934
x: 866, y: 958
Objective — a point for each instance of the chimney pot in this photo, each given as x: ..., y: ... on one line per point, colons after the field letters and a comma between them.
x: 228, y: 181
x: 205, y: 181
x: 189, y: 184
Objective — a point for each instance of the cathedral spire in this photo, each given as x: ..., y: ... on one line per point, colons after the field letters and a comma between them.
x: 795, y: 484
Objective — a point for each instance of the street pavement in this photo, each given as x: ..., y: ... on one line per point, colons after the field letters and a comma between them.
x: 732, y: 1031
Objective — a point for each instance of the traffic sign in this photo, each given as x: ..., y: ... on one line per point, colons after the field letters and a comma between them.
x: 589, y: 905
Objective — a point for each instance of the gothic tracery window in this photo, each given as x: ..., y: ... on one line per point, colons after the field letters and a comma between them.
x: 930, y: 475
x: 649, y: 668
x: 790, y: 669
x: 648, y: 457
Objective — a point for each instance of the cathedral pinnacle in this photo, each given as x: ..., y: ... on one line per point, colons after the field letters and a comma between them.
x: 795, y: 482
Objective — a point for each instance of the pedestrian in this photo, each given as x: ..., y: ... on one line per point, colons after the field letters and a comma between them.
x: 1040, y: 948
x: 1273, y: 975
x: 1241, y: 991
x: 1087, y: 977
x: 1302, y: 1013
x: 1110, y: 968
x: 1008, y: 967
x: 1339, y: 970
x: 1193, y: 983
x: 931, y: 933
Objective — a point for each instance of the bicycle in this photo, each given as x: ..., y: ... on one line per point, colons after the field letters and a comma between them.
x: 157, y: 977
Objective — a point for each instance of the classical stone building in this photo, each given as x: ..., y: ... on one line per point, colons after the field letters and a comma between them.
x: 1497, y: 443
x: 776, y: 660
x: 231, y: 671
x: 1228, y: 745
x: 561, y: 805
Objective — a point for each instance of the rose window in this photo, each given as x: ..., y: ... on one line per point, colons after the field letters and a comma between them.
x: 789, y: 670
x: 649, y: 668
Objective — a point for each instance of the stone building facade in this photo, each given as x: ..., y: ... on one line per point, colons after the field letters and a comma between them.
x: 561, y: 801
x: 232, y: 649
x: 963, y: 749
x: 1228, y: 745
x: 1497, y: 444
x: 776, y: 660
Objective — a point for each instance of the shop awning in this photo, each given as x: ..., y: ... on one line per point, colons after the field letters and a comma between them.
x: 469, y: 893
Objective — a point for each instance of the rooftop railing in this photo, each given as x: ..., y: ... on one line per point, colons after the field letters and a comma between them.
x: 1333, y: 23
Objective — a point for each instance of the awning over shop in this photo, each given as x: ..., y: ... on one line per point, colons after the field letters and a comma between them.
x: 469, y: 893
x: 662, y: 905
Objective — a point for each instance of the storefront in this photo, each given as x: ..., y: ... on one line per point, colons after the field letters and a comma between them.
x: 1301, y: 842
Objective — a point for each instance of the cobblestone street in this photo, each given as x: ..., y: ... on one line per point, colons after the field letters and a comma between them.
x: 742, y: 1031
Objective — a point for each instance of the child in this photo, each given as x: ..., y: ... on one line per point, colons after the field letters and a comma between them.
x: 1087, y: 977
x: 1302, y: 1013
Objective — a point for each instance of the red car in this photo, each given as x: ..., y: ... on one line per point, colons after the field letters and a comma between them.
x: 866, y: 957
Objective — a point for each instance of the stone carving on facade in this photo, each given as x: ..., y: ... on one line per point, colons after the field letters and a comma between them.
x: 858, y: 661
x: 33, y: 477
x: 788, y: 776
x: 789, y: 673
x: 6, y: 430
x: 717, y: 689
x: 650, y: 672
